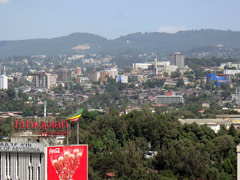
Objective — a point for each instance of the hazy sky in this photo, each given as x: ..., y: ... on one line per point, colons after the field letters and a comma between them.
x: 24, y: 19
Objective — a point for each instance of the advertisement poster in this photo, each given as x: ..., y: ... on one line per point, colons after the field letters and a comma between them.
x: 67, y: 162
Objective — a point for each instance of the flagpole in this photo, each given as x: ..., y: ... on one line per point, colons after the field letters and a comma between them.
x: 75, y: 117
x: 78, y: 132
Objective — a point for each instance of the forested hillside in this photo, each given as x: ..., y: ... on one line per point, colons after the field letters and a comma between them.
x: 188, y: 42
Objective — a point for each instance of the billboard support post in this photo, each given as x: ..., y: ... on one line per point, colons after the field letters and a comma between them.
x: 78, y: 132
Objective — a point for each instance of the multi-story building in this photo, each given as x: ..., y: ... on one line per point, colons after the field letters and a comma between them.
x: 237, y: 96
x: 44, y: 80
x: 219, y: 79
x: 141, y: 65
x: 112, y: 72
x: 22, y: 161
x: 81, y: 80
x: 40, y: 80
x: 64, y: 75
x: 166, y: 99
x: 94, y: 76
x: 78, y: 71
x: 104, y: 76
x: 3, y: 82
x: 177, y: 59
x: 122, y: 79
x: 51, y: 81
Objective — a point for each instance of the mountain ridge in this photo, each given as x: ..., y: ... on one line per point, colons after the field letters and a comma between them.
x: 152, y: 42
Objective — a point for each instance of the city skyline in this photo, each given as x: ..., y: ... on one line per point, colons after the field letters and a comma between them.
x: 23, y: 19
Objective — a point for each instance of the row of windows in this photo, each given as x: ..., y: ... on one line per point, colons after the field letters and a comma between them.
x: 8, y: 167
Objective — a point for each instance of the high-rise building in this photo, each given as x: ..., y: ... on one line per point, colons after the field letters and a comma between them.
x: 40, y: 80
x: 64, y: 75
x: 3, y: 82
x: 78, y: 71
x: 51, y: 81
x: 4, y: 71
x: 94, y: 76
x: 44, y: 80
x: 155, y: 65
x: 112, y: 72
x: 104, y: 76
x: 177, y: 59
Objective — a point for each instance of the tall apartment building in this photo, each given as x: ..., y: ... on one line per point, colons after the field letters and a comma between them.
x: 3, y: 82
x: 104, y: 76
x: 78, y: 71
x: 51, y: 81
x: 94, y: 76
x: 177, y: 59
x: 44, y: 80
x: 155, y: 65
x: 39, y: 80
x: 64, y: 75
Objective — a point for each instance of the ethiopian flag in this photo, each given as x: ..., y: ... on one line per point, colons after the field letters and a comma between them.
x: 76, y: 116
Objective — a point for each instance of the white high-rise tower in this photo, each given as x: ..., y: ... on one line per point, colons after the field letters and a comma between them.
x: 155, y: 65
x: 3, y: 82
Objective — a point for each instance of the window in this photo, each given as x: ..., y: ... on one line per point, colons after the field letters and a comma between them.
x: 29, y: 173
x: 30, y: 158
x: 0, y: 165
x: 40, y: 158
x: 17, y: 164
x: 10, y: 168
x: 39, y: 173
x: 6, y: 164
x: 32, y: 173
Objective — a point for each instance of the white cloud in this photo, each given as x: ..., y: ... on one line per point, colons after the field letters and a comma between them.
x: 4, y: 1
x: 171, y: 29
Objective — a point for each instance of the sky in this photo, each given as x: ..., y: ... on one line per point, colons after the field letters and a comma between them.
x: 30, y: 19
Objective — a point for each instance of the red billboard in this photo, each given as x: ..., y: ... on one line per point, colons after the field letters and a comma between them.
x: 67, y: 162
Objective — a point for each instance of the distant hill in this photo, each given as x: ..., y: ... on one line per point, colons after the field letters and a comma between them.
x: 55, y: 46
x: 187, y: 42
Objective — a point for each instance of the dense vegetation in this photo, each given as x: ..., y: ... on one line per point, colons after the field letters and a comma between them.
x: 118, y: 144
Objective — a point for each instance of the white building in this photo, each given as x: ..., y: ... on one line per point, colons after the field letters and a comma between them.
x: 141, y: 65
x: 214, y: 124
x: 229, y: 65
x: 22, y: 161
x: 3, y: 82
x: 232, y: 71
x: 122, y: 79
x: 113, y: 72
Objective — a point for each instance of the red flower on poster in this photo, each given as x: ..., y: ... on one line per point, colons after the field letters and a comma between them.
x: 67, y: 162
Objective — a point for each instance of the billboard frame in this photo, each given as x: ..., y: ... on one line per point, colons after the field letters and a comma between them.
x: 46, y: 156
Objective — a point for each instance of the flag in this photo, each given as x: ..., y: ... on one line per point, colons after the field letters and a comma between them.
x: 76, y: 116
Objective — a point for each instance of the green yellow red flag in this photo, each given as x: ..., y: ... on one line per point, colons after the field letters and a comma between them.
x: 76, y: 116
